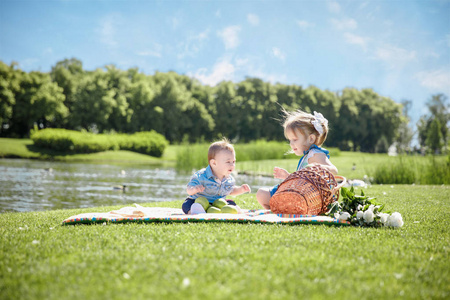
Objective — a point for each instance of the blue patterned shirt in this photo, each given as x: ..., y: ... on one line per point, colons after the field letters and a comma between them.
x: 214, y: 187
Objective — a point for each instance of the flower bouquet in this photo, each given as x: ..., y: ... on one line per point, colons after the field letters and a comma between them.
x: 361, y: 210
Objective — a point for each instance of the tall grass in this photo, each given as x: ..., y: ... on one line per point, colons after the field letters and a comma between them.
x: 195, y: 156
x: 407, y: 170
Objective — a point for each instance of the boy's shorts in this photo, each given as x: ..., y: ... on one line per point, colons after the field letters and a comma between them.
x: 186, y: 207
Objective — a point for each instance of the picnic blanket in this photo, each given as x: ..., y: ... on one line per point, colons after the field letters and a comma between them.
x: 165, y: 214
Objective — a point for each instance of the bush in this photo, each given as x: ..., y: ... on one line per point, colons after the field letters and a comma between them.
x: 150, y: 143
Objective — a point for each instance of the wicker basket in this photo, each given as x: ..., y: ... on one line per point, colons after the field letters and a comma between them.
x: 307, y: 192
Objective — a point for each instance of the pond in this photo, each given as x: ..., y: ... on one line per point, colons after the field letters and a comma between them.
x: 32, y: 185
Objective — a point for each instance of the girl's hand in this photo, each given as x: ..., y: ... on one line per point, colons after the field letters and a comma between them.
x: 195, y: 189
x: 245, y: 188
x: 280, y: 173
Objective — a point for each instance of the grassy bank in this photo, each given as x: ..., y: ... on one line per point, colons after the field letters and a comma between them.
x: 24, y: 148
x: 40, y: 259
x: 352, y: 165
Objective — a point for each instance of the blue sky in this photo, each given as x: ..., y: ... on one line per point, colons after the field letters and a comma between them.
x: 401, y: 49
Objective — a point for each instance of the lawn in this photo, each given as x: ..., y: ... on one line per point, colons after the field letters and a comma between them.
x: 40, y: 259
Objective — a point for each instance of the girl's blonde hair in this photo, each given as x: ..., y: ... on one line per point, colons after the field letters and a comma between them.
x: 216, y: 147
x: 303, y: 122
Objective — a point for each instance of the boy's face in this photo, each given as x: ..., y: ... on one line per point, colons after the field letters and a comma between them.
x: 223, y: 164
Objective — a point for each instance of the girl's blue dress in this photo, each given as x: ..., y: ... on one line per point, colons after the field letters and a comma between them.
x: 303, y: 162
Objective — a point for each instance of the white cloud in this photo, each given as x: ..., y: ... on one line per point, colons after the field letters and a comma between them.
x: 253, y: 19
x: 48, y: 51
x: 175, y: 22
x: 230, y: 36
x: 192, y: 45
x: 344, y: 24
x: 278, y: 53
x: 228, y: 69
x: 29, y: 64
x: 356, y: 40
x: 436, y: 80
x: 333, y: 7
x: 222, y: 70
x: 155, y: 52
x: 394, y: 55
x: 107, y: 30
x: 304, y: 25
x: 447, y: 37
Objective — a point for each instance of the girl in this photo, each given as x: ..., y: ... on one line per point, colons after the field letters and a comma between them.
x: 306, y: 133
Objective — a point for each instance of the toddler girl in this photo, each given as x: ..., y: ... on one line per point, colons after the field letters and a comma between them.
x: 306, y: 133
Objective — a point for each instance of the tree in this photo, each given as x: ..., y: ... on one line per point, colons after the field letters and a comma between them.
x: 9, y: 86
x: 39, y: 101
x: 434, y: 139
x: 67, y: 74
x: 439, y: 109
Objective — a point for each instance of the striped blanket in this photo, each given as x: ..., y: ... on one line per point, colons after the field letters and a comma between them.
x: 163, y: 214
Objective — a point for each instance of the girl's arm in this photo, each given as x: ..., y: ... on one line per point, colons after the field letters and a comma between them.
x: 322, y: 159
x: 237, y: 190
x: 280, y: 173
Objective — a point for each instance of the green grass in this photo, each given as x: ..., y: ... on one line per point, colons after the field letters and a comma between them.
x: 40, y: 259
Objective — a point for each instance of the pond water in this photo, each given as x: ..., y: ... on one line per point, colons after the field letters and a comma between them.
x: 31, y: 185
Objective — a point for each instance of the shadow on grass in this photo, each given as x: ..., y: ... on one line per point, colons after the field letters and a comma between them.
x: 47, y: 153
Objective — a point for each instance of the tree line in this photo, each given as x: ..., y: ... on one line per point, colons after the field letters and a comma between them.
x: 182, y: 109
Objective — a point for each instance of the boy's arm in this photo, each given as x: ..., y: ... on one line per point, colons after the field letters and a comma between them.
x: 194, y: 186
x: 192, y: 190
x: 237, y: 190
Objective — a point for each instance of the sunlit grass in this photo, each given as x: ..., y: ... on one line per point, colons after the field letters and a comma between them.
x: 40, y: 259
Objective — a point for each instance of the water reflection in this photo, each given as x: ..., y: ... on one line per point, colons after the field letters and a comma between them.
x: 30, y: 185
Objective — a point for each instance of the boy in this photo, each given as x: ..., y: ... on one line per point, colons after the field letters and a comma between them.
x: 214, y: 181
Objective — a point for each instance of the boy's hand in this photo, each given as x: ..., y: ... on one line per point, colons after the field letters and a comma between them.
x: 195, y: 189
x: 280, y: 173
x: 245, y: 188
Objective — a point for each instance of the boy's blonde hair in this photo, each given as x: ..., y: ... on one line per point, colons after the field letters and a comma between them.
x: 216, y: 147
x: 303, y: 122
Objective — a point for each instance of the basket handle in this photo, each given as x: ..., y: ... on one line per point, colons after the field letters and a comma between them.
x: 338, y: 187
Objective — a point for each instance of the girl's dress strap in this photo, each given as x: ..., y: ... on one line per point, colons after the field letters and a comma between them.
x: 303, y: 162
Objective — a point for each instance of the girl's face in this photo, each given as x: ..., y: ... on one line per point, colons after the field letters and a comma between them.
x: 223, y: 164
x: 299, y: 142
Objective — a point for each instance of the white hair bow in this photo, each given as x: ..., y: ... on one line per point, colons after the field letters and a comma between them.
x: 318, y: 121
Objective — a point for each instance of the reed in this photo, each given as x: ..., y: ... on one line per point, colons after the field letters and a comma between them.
x: 417, y: 170
x: 194, y: 156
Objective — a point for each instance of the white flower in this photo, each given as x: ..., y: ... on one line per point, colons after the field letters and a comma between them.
x: 368, y: 216
x: 344, y: 216
x: 371, y: 207
x: 360, y: 207
x: 360, y: 214
x: 383, y: 218
x: 395, y: 220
